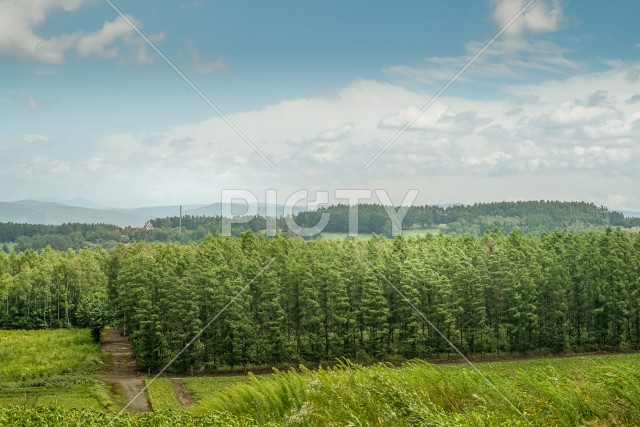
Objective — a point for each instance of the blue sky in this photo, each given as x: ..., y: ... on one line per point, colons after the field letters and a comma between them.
x: 549, y: 111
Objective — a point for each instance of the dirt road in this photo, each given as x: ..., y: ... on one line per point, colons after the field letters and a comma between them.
x: 185, y: 398
x: 122, y: 371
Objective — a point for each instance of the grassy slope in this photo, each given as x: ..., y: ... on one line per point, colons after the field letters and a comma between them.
x: 585, y: 390
x: 44, y: 368
x: 603, y: 390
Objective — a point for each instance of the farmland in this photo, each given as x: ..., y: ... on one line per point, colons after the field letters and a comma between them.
x: 51, y: 368
x: 593, y: 390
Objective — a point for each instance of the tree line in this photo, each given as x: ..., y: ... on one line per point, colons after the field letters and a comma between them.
x: 52, y: 289
x: 311, y: 301
x: 534, y: 217
x: 320, y: 300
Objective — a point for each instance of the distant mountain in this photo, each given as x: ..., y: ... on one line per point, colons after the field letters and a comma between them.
x: 161, y: 211
x: 78, y: 202
x: 56, y: 213
x: 52, y: 213
x: 215, y: 209
x: 38, y: 203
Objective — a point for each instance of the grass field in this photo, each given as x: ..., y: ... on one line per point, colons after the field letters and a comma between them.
x: 50, y: 378
x: 601, y: 390
x: 51, y: 368
x: 413, y: 232
x: 33, y: 356
x: 162, y: 395
x: 201, y: 388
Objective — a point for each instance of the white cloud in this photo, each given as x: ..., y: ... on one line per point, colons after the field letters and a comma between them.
x: 18, y: 20
x: 579, y: 126
x: 541, y: 17
x: 336, y: 134
x: 201, y: 66
x: 487, y: 161
x: 18, y: 38
x: 507, y: 57
x: 509, y: 158
x: 20, y: 148
x: 571, y: 138
x: 575, y: 113
x: 439, y: 117
x: 102, y: 43
x: 510, y: 56
x: 51, y: 167
x: 32, y: 138
x: 139, y: 52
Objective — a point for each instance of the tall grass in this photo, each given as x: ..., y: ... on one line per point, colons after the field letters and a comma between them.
x: 57, y: 417
x: 28, y: 356
x: 573, y: 391
x: 593, y: 390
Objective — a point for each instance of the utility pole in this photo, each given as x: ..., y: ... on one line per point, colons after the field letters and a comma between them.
x: 180, y: 219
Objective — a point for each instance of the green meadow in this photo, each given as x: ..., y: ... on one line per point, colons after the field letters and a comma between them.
x: 52, y: 378
x: 51, y: 368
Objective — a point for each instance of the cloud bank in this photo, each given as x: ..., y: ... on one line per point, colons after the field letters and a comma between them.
x: 20, y: 20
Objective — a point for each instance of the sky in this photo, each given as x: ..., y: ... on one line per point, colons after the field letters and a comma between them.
x: 289, y: 95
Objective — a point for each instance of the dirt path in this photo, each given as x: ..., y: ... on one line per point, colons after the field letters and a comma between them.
x: 185, y: 398
x: 122, y: 371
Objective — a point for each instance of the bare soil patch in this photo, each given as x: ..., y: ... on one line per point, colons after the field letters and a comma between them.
x: 183, y: 395
x: 122, y: 371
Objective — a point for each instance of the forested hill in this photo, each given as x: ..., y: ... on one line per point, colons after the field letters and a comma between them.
x: 535, y: 217
x: 531, y: 217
